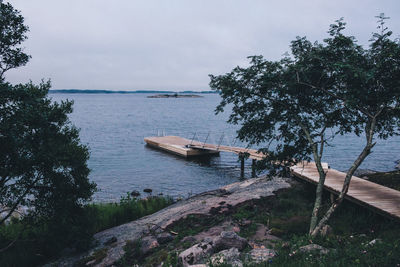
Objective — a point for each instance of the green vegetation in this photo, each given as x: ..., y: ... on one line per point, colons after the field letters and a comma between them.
x: 12, y: 34
x: 33, y: 244
x: 297, y: 105
x: 112, y: 214
x: 389, y: 179
x: 354, y: 227
x: 43, y: 165
x: 287, y: 216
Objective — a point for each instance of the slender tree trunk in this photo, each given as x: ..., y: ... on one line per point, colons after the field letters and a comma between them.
x: 346, y: 184
x: 321, y: 181
x: 318, y: 195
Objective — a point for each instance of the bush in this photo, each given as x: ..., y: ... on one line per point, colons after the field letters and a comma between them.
x: 37, y: 240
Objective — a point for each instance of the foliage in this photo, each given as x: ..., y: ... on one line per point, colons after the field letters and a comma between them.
x: 36, y: 243
x: 43, y: 165
x: 295, y: 107
x: 12, y: 34
x: 112, y: 214
x: 43, y: 174
x: 389, y: 179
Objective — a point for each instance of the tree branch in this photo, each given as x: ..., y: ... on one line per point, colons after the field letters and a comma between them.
x: 362, y: 110
x: 14, y: 207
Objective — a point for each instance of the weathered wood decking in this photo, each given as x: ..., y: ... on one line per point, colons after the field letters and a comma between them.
x: 381, y: 199
x: 178, y: 145
x: 187, y: 148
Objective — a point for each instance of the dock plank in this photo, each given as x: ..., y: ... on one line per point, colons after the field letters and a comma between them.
x: 379, y: 198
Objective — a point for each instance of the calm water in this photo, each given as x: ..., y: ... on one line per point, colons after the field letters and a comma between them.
x: 114, y: 125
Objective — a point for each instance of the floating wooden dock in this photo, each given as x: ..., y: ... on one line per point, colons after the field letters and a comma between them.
x: 178, y: 146
x: 378, y: 198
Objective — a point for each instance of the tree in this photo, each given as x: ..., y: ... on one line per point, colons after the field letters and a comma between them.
x: 12, y: 34
x: 43, y: 165
x: 333, y: 87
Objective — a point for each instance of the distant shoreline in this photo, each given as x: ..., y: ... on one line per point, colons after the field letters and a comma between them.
x: 77, y: 91
x: 176, y: 95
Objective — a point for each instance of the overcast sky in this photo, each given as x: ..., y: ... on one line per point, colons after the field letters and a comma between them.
x: 174, y: 44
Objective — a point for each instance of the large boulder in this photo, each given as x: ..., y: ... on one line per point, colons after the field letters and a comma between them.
x: 148, y: 244
x: 196, y: 254
x: 229, y: 239
x: 163, y: 238
x: 228, y: 256
x: 259, y: 255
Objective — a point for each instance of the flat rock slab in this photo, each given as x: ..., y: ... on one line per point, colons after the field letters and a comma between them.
x: 202, y: 204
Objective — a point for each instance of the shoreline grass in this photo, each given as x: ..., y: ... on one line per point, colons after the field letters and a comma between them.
x: 36, y: 243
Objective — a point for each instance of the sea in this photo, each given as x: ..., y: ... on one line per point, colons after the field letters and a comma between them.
x: 113, y: 126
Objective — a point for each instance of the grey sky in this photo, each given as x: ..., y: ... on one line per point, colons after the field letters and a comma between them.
x: 173, y: 44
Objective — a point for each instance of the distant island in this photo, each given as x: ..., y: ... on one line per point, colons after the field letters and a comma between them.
x: 176, y: 95
x: 85, y: 91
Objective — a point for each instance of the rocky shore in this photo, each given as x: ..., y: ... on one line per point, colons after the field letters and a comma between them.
x: 151, y: 231
x: 249, y: 223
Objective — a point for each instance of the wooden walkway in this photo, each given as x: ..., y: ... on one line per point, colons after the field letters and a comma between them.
x: 380, y: 199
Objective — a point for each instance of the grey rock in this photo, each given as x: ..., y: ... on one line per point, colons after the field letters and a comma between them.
x: 147, y: 244
x: 110, y: 241
x: 229, y: 239
x: 164, y: 238
x: 148, y: 190
x: 91, y: 263
x: 259, y: 255
x: 234, y: 194
x: 228, y: 256
x: 195, y: 254
x: 375, y: 241
x: 313, y: 248
x: 135, y: 193
x: 208, y: 240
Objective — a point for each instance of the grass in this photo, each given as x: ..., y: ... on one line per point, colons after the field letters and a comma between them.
x: 36, y: 244
x: 288, y: 215
x: 128, y: 209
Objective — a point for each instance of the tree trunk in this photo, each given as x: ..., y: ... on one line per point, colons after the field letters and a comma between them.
x: 318, y: 196
x: 346, y: 184
x: 321, y: 181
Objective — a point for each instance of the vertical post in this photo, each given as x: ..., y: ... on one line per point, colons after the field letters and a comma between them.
x: 332, y: 198
x: 191, y: 142
x: 253, y: 168
x: 220, y: 141
x: 206, y: 139
x: 241, y: 166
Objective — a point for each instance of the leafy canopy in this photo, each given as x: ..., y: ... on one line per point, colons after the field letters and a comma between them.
x: 333, y: 85
x: 42, y: 163
x: 12, y: 34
